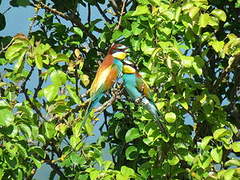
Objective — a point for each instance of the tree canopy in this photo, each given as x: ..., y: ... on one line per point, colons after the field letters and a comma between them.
x: 188, y: 51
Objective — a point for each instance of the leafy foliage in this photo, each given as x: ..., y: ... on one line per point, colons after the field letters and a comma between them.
x: 187, y: 51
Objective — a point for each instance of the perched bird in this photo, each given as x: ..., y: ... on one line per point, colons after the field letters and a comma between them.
x: 106, y: 75
x: 139, y: 91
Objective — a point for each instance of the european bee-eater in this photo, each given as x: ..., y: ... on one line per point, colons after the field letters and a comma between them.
x: 106, y: 75
x: 139, y: 91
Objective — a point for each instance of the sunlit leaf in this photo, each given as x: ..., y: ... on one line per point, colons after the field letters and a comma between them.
x: 204, y: 20
x: 141, y: 10
x: 236, y: 146
x: 132, y: 134
x: 51, y: 92
x: 216, y: 154
x: 170, y: 117
x: 131, y: 152
x: 220, y: 14
x: 58, y: 77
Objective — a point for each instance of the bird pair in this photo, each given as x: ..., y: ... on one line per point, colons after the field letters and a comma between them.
x: 113, y: 65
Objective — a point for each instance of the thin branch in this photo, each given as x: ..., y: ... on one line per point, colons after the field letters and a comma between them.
x: 40, y: 82
x: 55, y: 167
x: 6, y: 10
x: 89, y: 13
x: 103, y: 14
x: 225, y: 71
x: 120, y: 18
x: 115, y: 95
x: 114, y: 6
x: 24, y: 90
x: 73, y: 18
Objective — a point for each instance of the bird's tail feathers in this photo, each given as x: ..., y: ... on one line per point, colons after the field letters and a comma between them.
x: 152, y: 108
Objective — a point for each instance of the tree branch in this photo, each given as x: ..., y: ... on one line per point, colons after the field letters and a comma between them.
x: 89, y: 13
x: 55, y: 167
x: 115, y: 95
x: 103, y: 14
x: 121, y: 14
x: 24, y: 90
x: 73, y: 18
x: 114, y: 6
x: 40, y: 82
x: 225, y: 71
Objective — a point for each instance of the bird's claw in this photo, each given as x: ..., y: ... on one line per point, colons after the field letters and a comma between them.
x: 139, y: 100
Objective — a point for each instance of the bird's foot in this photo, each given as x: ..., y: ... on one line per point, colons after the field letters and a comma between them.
x: 139, y: 100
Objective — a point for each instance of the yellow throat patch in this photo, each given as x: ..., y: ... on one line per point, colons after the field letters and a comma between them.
x: 128, y: 69
x: 119, y: 55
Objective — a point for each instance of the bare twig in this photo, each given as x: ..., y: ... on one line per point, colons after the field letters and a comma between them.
x: 40, y: 82
x: 6, y: 10
x: 121, y: 14
x: 114, y: 6
x: 89, y: 13
x: 103, y: 14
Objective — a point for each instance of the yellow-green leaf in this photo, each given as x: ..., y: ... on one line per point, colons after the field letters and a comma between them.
x: 140, y: 10
x: 216, y: 154
x: 204, y: 19
x: 193, y: 12
x: 217, y: 45
x: 220, y: 14
x: 170, y: 117
x: 236, y: 146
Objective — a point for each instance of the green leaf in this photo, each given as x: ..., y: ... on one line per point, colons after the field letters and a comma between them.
x: 205, y: 141
x: 216, y: 154
x: 193, y: 11
x: 232, y: 162
x: 228, y: 174
x: 217, y: 45
x: 117, y: 34
x: 127, y: 171
x: 60, y: 58
x: 75, y: 141
x: 236, y: 146
x: 17, y: 3
x: 49, y: 129
x: 89, y: 127
x: 78, y: 31
x: 36, y: 162
x: 131, y: 153
x: 219, y: 133
x: 170, y: 117
x: 38, y: 61
x: 12, y: 52
x: 2, y: 21
x: 132, y: 134
x: 173, y: 160
x: 6, y: 117
x: 20, y: 63
x: 58, y: 77
x: 220, y: 14
x: 73, y: 94
x: 37, y: 150
x: 51, y: 92
x: 77, y: 159
x: 85, y: 79
x: 141, y: 10
x: 187, y: 61
x: 204, y: 19
x: 26, y: 130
